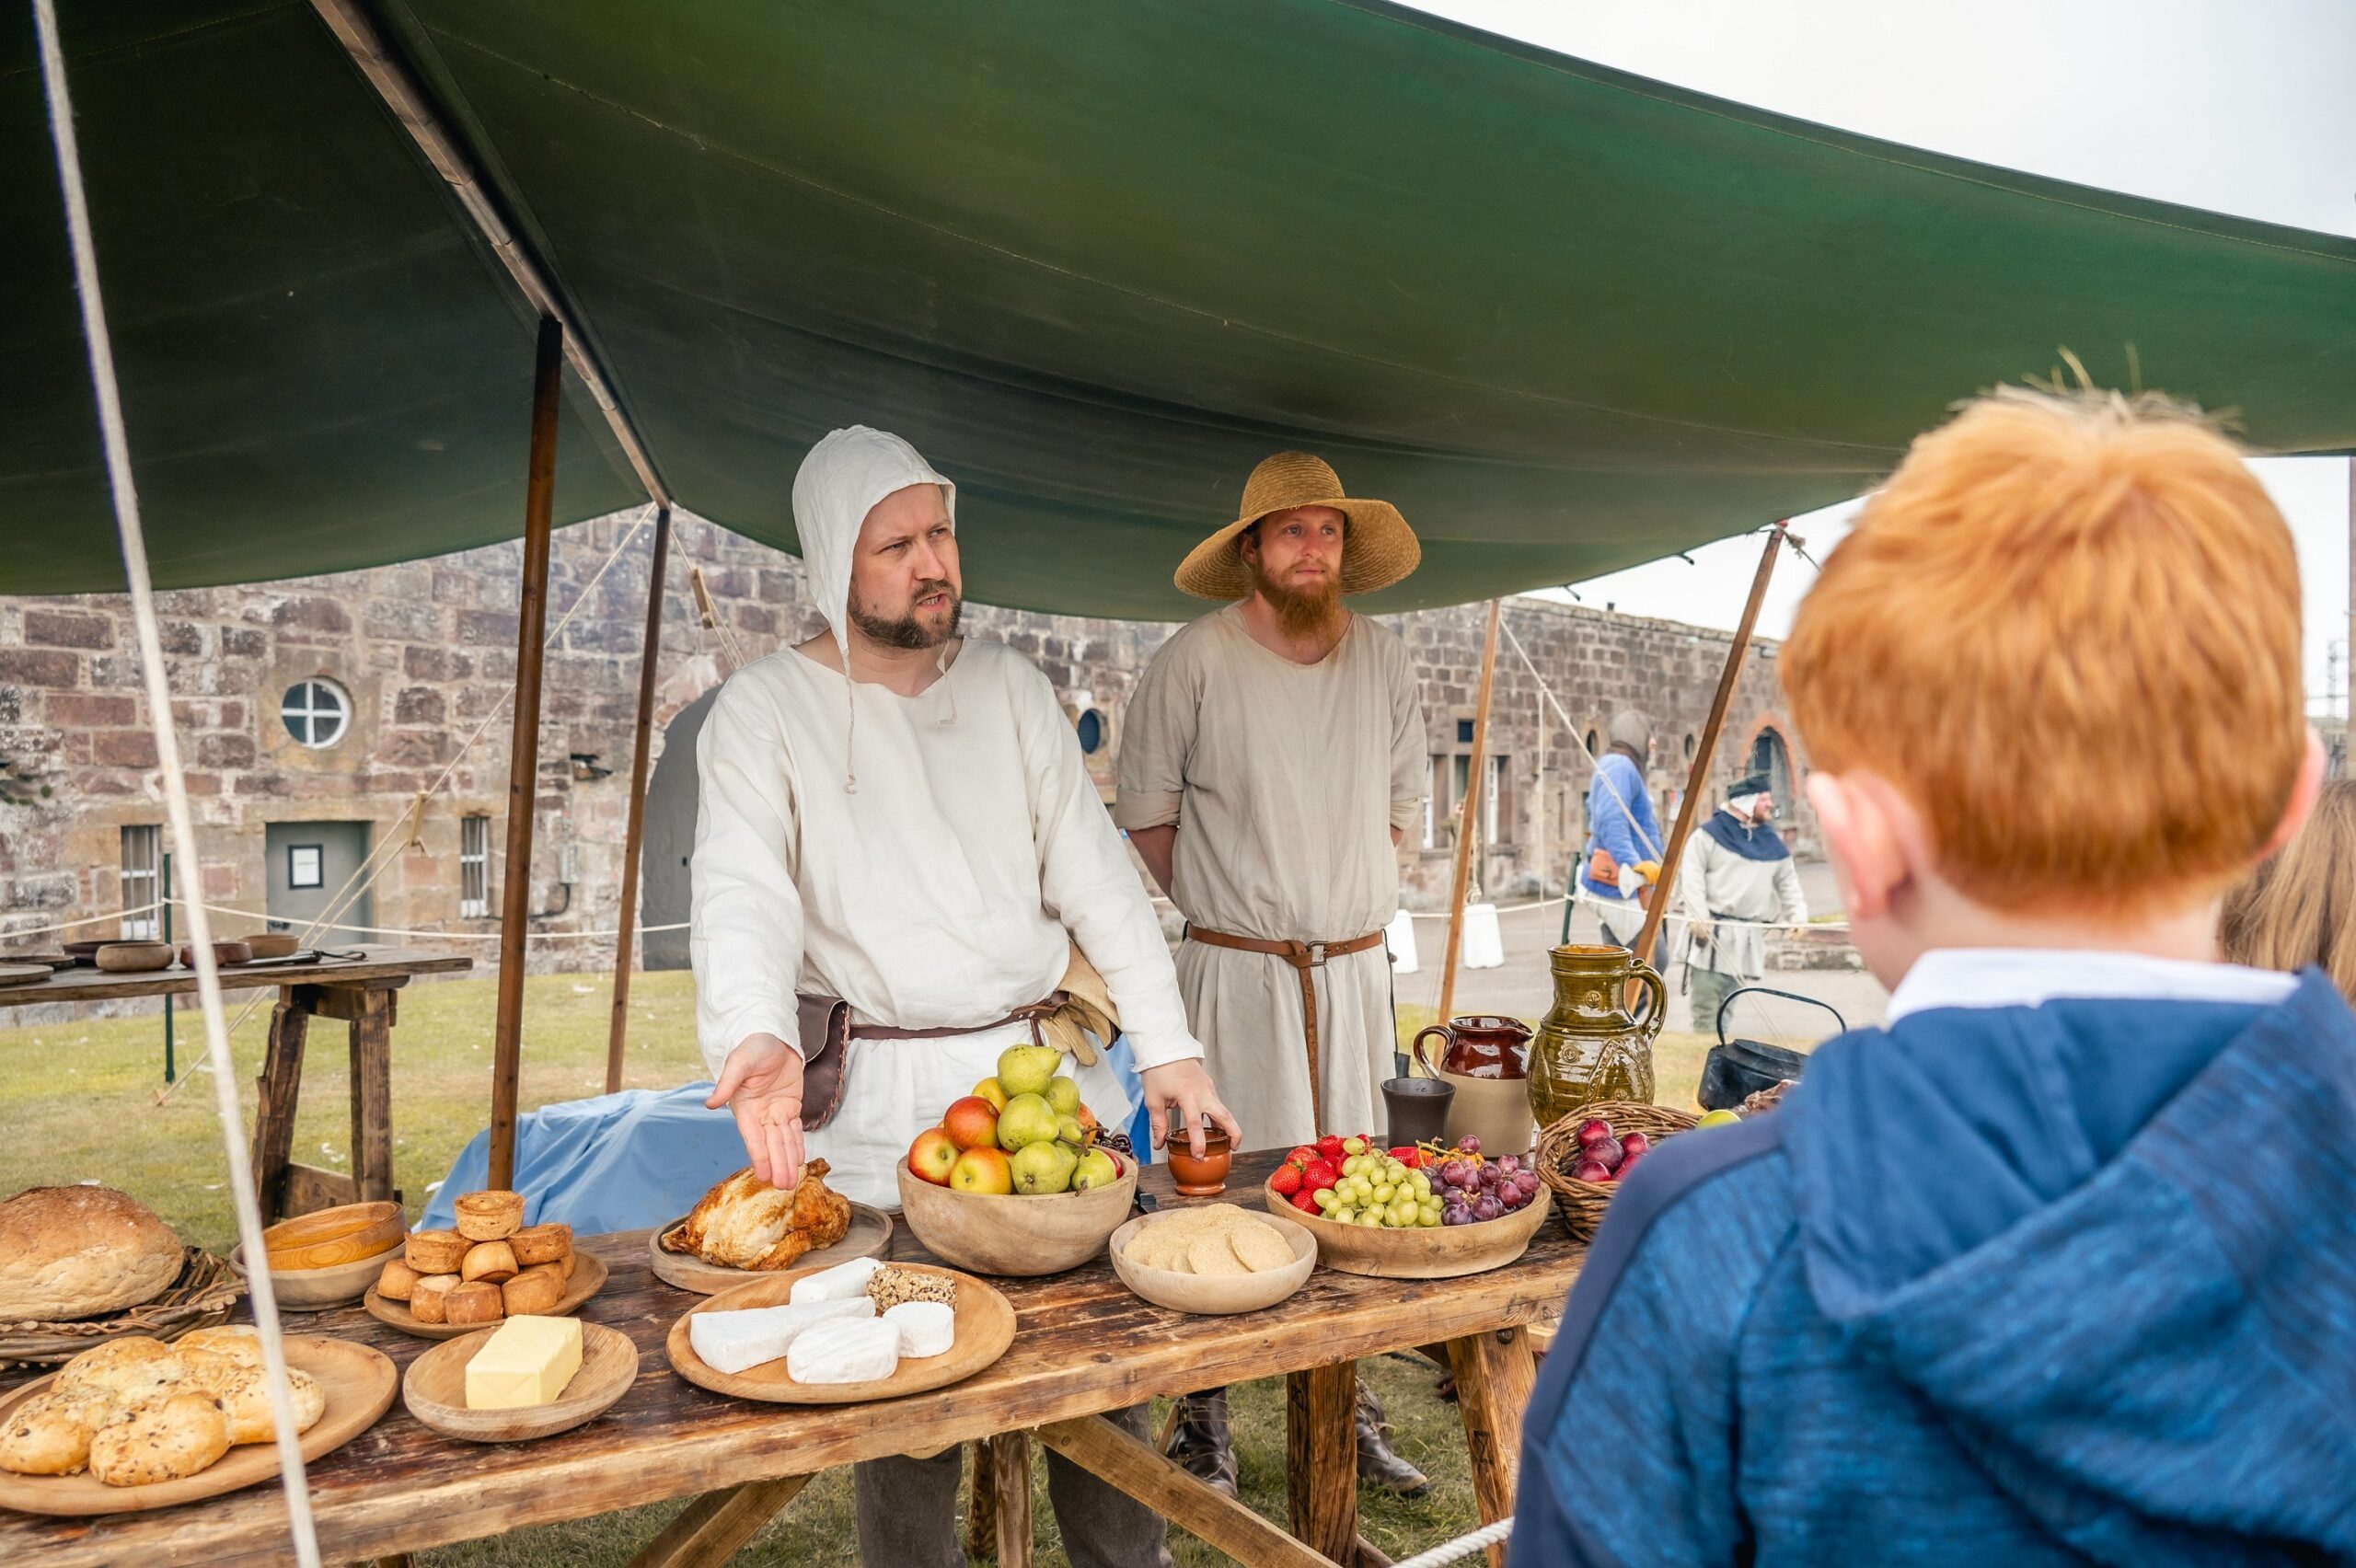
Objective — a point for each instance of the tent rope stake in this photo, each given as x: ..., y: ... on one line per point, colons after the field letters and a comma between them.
x: 292, y: 1481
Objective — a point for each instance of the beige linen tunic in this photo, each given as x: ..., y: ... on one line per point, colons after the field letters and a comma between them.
x: 1285, y: 782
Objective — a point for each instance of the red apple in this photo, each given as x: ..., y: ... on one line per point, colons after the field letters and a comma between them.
x: 972, y: 1122
x: 933, y: 1155
x: 1627, y: 1165
x: 1590, y: 1171
x: 981, y: 1169
x: 1594, y: 1130
x: 1634, y: 1143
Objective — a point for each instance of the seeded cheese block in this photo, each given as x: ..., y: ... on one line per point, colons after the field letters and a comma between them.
x: 853, y: 1351
x: 730, y: 1342
x: 526, y: 1362
x: 836, y: 1284
x: 927, y: 1328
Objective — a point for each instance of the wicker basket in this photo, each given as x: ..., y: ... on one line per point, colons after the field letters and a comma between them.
x: 1581, y: 1204
x: 207, y: 1288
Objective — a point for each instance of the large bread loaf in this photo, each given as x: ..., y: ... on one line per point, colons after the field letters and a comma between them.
x: 78, y: 1252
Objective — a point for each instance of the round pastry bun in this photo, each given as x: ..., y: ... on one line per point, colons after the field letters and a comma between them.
x: 542, y: 1243
x: 490, y: 1261
x: 435, y: 1251
x: 537, y: 1289
x: 429, y: 1300
x: 476, y: 1301
x: 491, y: 1216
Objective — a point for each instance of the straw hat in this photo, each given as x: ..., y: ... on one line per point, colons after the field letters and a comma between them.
x: 1381, y: 549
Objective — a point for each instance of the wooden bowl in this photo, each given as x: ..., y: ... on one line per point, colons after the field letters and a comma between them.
x: 315, y: 1290
x: 224, y: 954
x: 1439, y: 1252
x: 133, y: 958
x: 434, y: 1390
x: 270, y: 944
x: 1014, y: 1236
x: 1217, y: 1295
x: 332, y: 1236
x: 87, y: 953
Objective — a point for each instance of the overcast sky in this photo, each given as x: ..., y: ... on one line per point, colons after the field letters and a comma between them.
x: 2240, y: 105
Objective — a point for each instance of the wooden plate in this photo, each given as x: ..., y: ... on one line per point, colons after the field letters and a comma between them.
x: 985, y: 1328
x: 588, y: 1275
x: 358, y: 1383
x: 13, y: 974
x: 1440, y: 1252
x: 434, y: 1390
x: 869, y: 1236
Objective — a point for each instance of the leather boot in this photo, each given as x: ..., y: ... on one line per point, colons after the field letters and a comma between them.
x: 1200, y: 1442
x: 1377, y: 1464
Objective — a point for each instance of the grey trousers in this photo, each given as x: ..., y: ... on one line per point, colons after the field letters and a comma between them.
x: 1706, y: 991
x: 907, y: 1510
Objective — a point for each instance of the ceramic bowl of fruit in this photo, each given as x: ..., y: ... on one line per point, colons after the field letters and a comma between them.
x: 1422, y: 1213
x: 1012, y: 1181
x: 1585, y: 1156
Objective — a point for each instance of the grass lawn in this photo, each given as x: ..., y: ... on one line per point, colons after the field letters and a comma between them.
x: 82, y: 1100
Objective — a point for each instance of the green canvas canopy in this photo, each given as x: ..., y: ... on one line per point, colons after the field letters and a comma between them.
x: 1094, y: 260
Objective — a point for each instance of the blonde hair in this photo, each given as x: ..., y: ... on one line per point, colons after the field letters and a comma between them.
x: 2300, y: 907
x: 2067, y: 630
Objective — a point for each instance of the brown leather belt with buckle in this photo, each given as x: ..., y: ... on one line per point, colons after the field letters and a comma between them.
x: 1304, y: 957
x: 827, y: 1031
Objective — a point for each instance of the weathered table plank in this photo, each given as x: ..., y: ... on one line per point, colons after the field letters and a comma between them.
x: 1084, y: 1346
x: 95, y: 986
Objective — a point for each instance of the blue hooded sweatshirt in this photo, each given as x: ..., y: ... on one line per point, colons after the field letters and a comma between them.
x: 2012, y: 1286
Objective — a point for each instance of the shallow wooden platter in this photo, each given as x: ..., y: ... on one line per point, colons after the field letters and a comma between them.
x: 985, y: 1328
x: 588, y: 1275
x: 870, y: 1236
x: 358, y: 1383
x: 1441, y: 1253
x: 15, y: 973
x: 434, y: 1390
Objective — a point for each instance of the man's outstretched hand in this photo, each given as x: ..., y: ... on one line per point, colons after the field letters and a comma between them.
x: 761, y: 1084
x: 1188, y: 1086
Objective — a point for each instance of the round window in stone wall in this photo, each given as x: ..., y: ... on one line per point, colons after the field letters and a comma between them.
x: 316, y: 712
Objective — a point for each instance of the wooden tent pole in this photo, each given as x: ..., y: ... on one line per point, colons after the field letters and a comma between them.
x: 523, y: 750
x: 1475, y: 775
x: 1698, y: 775
x: 633, y: 837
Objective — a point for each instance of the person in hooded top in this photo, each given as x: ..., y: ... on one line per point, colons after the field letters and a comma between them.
x: 1737, y: 875
x: 2056, y: 1265
x: 901, y: 818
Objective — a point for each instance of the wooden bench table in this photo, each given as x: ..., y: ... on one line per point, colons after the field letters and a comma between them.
x: 361, y: 992
x: 1083, y: 1345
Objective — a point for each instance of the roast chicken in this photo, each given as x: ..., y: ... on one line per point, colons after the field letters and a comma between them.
x: 744, y: 1223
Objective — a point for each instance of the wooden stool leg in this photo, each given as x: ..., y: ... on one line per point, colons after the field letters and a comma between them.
x: 277, y: 1091
x: 1493, y: 1376
x: 981, y: 1514
x: 1010, y: 1464
x: 372, y: 1097
x: 1321, y: 1468
x: 717, y: 1523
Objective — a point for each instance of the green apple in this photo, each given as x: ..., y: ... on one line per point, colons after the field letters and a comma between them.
x: 1064, y: 1095
x: 1027, y: 1119
x: 1027, y: 1069
x: 1719, y: 1119
x: 1043, y: 1168
x: 1096, y: 1168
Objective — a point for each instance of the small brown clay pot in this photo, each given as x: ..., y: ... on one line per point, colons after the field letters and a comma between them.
x: 1200, y: 1178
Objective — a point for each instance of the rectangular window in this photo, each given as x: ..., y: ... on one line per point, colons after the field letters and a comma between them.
x: 143, y: 849
x: 474, y: 867
x: 1459, y: 779
x: 1436, y: 803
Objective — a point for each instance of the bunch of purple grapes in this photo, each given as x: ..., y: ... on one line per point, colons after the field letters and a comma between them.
x: 1473, y: 1189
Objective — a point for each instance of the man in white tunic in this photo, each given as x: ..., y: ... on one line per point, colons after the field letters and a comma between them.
x: 902, y: 819
x: 1269, y: 761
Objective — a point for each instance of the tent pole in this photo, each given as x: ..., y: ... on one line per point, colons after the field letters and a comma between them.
x: 633, y: 837
x: 523, y: 750
x: 1475, y: 775
x: 1699, y: 774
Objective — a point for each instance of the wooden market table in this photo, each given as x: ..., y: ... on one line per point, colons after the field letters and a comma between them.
x: 1083, y: 1345
x: 362, y: 991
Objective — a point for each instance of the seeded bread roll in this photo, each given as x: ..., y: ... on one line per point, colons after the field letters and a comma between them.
x: 537, y: 1289
x: 435, y: 1251
x: 491, y: 1261
x: 491, y: 1216
x: 541, y: 1243
x: 476, y: 1301
x: 164, y: 1441
x: 398, y: 1281
x: 241, y: 1342
x: 124, y: 1371
x: 49, y: 1433
x: 78, y: 1252
x: 245, y: 1400
x: 429, y: 1300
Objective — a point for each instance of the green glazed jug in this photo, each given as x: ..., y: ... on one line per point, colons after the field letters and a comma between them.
x: 1589, y: 1047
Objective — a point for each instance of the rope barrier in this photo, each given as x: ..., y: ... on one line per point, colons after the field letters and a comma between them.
x: 16, y: 933
x: 1463, y: 1546
x: 451, y: 936
x: 1598, y: 904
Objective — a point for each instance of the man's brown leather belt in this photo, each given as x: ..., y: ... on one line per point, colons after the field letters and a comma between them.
x: 827, y: 1031
x: 1303, y: 957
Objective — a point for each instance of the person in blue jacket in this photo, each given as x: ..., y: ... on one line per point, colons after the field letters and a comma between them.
x: 2058, y: 1265
x: 1621, y: 825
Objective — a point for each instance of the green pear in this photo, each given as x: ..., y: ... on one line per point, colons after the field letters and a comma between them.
x: 1028, y: 1069
x: 1027, y: 1119
x: 1064, y: 1095
x: 1096, y: 1168
x: 1043, y: 1168
x: 1067, y: 1129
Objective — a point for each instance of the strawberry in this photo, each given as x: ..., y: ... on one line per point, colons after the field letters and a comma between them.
x: 1330, y: 1147
x: 1287, y: 1179
x: 1319, y: 1175
x: 1305, y: 1201
x: 1302, y: 1154
x: 1410, y: 1156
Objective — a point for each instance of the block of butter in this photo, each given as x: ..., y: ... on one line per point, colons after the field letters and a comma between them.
x: 528, y: 1361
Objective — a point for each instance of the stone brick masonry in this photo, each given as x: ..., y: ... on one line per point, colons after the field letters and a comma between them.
x: 426, y: 650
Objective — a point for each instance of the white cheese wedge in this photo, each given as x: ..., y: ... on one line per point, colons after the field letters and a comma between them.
x: 848, y: 1352
x: 528, y: 1361
x: 731, y: 1342
x: 927, y: 1328
x: 836, y: 1284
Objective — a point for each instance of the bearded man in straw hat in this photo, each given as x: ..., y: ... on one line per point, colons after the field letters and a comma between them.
x: 1269, y: 761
